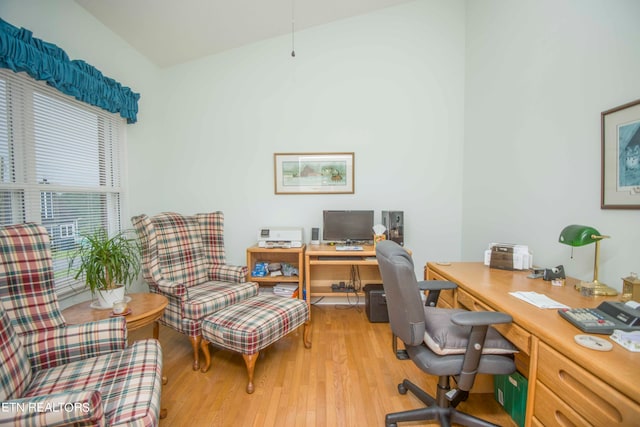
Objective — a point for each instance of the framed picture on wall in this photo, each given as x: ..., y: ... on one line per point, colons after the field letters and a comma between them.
x: 621, y: 157
x: 313, y: 173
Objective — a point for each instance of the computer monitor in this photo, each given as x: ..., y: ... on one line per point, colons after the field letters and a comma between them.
x: 347, y: 226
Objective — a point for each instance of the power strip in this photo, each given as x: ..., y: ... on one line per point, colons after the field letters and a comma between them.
x: 342, y: 288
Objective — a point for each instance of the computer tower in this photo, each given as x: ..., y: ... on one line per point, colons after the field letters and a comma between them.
x: 394, y: 223
x: 375, y: 303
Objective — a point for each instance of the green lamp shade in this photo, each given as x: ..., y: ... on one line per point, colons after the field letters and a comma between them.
x: 579, y: 235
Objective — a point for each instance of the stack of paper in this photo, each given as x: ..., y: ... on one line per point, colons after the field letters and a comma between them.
x: 287, y: 290
x: 539, y: 300
x: 629, y: 340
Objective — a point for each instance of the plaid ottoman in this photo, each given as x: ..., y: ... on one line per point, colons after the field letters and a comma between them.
x: 251, y: 325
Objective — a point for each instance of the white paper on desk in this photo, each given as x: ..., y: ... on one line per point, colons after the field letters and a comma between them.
x: 539, y: 300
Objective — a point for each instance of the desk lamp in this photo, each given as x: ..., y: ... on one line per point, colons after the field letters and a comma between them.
x: 580, y: 235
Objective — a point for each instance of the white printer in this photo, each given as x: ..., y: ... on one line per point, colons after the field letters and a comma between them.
x: 280, y: 237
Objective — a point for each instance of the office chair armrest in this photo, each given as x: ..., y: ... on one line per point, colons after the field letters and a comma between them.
x: 479, y: 322
x: 436, y: 285
x: 479, y: 318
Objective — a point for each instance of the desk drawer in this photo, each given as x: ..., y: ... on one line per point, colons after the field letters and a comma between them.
x: 551, y: 411
x: 514, y: 333
x: 589, y: 396
x: 432, y: 275
x: 446, y: 299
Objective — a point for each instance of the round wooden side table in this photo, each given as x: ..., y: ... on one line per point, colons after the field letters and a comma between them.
x: 145, y: 309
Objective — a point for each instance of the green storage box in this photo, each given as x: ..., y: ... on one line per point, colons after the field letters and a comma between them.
x: 511, y: 392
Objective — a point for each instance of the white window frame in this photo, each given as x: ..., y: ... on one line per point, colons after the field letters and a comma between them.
x: 27, y: 193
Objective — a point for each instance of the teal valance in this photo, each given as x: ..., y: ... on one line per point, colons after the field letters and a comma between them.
x: 20, y: 51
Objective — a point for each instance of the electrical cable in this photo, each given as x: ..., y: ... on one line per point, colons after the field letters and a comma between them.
x: 293, y: 28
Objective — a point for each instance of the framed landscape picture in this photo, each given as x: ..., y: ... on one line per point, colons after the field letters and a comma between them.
x: 313, y: 173
x: 620, y: 187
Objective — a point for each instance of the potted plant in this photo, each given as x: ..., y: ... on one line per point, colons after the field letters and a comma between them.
x: 107, y: 264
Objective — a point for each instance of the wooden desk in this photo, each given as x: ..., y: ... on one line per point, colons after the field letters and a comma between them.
x: 324, y: 266
x: 145, y: 308
x: 568, y: 383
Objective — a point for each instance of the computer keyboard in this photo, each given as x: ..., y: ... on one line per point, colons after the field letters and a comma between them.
x: 348, y: 248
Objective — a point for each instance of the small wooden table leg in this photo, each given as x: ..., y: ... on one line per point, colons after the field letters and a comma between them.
x: 156, y: 329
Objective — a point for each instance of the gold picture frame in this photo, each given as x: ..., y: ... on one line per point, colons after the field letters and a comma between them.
x: 620, y: 180
x: 313, y: 173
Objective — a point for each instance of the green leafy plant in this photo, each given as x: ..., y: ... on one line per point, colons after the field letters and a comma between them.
x: 106, y: 262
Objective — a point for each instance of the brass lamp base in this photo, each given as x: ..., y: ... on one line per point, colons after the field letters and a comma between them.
x: 596, y: 289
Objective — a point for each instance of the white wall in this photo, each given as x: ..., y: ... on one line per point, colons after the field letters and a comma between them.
x: 538, y: 75
x: 388, y: 86
x: 81, y: 36
x: 522, y: 84
x: 69, y: 26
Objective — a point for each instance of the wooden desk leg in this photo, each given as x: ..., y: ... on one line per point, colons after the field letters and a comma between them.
x: 156, y: 329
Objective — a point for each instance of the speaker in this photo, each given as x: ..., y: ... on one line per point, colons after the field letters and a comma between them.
x: 394, y: 223
x: 315, y: 236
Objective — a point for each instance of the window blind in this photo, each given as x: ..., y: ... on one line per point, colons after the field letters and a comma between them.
x: 61, y: 165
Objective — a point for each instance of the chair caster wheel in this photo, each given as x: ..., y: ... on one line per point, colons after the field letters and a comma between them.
x: 402, y: 389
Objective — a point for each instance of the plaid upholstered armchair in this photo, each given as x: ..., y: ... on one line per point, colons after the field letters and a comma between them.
x: 52, y: 373
x: 183, y: 258
x: 28, y: 295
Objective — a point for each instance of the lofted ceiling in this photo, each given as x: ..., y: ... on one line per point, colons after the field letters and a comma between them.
x: 169, y: 32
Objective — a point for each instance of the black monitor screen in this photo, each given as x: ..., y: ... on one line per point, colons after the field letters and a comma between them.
x: 343, y: 226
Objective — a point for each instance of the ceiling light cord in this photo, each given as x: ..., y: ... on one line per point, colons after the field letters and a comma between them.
x: 293, y: 29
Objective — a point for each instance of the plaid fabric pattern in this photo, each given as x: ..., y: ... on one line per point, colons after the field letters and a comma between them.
x: 128, y: 381
x: 229, y: 273
x: 204, y: 299
x: 75, y: 408
x: 28, y: 295
x: 172, y: 241
x: 149, y: 242
x: 181, y: 253
x: 26, y: 278
x: 211, y: 297
x: 212, y: 231
x: 54, y: 347
x: 253, y: 324
x: 15, y: 370
x: 119, y: 388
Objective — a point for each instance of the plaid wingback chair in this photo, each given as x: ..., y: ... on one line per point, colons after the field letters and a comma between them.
x: 28, y: 296
x: 183, y: 258
x: 120, y: 388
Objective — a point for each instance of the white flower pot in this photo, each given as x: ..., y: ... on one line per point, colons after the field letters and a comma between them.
x: 108, y: 297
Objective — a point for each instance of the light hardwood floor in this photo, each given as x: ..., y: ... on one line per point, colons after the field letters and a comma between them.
x: 348, y: 378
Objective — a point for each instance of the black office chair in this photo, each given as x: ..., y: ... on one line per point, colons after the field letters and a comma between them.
x: 443, y: 342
